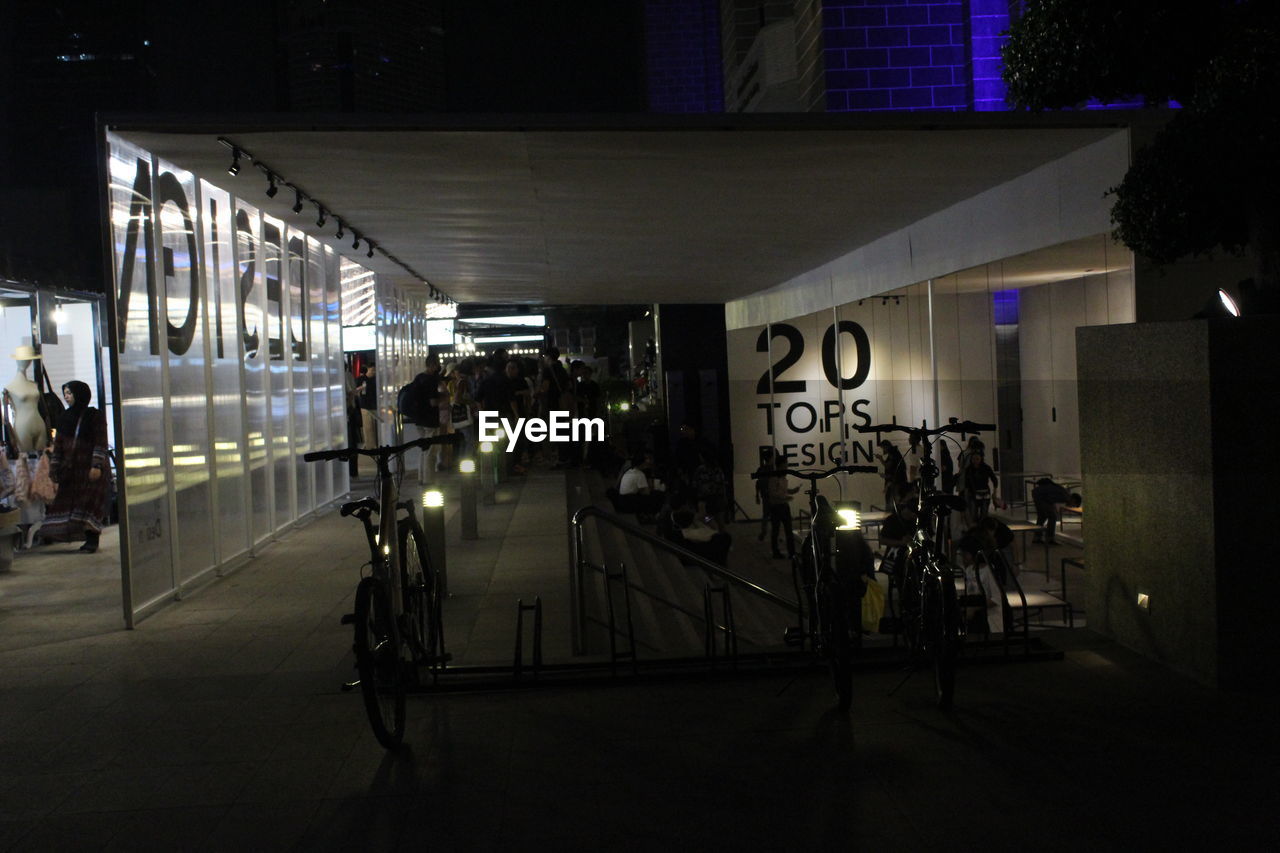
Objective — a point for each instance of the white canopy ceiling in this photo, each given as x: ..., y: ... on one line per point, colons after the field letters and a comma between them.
x: 628, y: 213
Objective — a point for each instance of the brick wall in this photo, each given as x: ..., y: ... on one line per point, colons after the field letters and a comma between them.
x: 904, y: 55
x: 987, y: 19
x: 682, y: 56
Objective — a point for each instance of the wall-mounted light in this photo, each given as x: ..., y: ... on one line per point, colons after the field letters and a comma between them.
x: 59, y: 315
x: 1228, y: 303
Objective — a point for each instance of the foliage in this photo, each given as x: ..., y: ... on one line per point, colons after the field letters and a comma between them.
x: 1206, y: 180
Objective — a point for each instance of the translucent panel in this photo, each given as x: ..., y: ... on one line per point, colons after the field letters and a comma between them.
x: 337, y: 370
x: 223, y: 319
x: 298, y: 357
x: 182, y: 302
x: 278, y: 369
x: 317, y: 324
x: 144, y: 449
x: 254, y: 333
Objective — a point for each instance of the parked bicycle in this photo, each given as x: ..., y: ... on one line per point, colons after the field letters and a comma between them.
x: 930, y: 605
x: 830, y: 566
x: 397, y: 612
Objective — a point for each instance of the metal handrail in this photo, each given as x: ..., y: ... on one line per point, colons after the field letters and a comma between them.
x: 577, y: 588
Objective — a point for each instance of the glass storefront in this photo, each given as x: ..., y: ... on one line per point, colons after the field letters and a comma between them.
x: 229, y: 360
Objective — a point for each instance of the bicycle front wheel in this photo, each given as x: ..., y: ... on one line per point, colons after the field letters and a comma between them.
x: 378, y: 661
x: 419, y: 586
x: 945, y: 627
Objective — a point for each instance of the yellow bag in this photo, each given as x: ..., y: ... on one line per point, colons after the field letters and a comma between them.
x: 872, y: 606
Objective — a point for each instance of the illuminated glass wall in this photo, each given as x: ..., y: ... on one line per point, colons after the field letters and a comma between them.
x: 229, y: 353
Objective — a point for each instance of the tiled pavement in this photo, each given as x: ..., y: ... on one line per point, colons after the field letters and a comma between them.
x: 218, y: 725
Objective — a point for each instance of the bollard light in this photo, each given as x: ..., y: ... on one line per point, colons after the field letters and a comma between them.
x: 486, y: 447
x: 432, y: 498
x: 626, y: 407
x: 467, y: 466
x: 850, y: 515
x: 433, y: 529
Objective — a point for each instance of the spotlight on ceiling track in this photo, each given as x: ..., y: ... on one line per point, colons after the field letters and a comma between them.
x: 297, y: 200
x: 234, y: 168
x: 340, y: 231
x: 355, y: 240
x: 370, y: 252
x: 272, y: 189
x: 320, y: 220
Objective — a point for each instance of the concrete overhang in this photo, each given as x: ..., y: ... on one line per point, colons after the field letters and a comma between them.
x: 561, y: 210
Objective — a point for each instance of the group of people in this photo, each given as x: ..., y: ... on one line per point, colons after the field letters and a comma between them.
x: 58, y: 468
x: 688, y: 500
x: 449, y: 398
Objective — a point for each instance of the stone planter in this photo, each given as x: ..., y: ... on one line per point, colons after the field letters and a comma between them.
x: 1181, y: 461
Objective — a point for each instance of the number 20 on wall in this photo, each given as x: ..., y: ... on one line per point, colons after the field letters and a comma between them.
x: 795, y: 350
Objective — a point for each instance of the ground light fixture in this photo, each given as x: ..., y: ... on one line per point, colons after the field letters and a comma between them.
x: 850, y: 515
x: 1228, y: 303
x: 467, y: 466
x: 432, y: 498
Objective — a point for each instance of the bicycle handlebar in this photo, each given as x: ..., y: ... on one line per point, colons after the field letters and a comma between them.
x: 959, y: 427
x: 814, y: 476
x: 346, y: 453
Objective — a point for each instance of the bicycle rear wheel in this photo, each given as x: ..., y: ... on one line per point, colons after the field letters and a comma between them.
x: 378, y: 661
x: 945, y: 626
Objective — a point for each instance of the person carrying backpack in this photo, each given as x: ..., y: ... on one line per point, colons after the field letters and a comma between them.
x: 419, y: 406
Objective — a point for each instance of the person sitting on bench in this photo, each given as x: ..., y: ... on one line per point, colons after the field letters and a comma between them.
x: 634, y: 492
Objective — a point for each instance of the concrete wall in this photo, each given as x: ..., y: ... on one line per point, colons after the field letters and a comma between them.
x: 1145, y: 432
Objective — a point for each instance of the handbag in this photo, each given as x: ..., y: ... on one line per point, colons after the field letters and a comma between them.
x: 43, y: 488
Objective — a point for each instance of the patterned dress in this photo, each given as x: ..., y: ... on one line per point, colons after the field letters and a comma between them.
x: 82, y: 504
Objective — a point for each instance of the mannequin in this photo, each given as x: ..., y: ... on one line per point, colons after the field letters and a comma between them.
x: 28, y: 430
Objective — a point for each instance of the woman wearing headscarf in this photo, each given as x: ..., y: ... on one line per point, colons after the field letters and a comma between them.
x: 81, y: 468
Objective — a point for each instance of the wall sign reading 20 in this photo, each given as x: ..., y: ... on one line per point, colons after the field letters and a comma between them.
x: 830, y: 365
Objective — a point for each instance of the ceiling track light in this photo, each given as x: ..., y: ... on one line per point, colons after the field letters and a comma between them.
x: 234, y: 168
x: 272, y: 189
x: 320, y: 220
x: 297, y: 200
x: 340, y: 231
x: 369, y: 254
x: 355, y: 239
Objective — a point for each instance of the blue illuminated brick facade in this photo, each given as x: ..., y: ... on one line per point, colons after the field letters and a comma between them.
x: 886, y: 55
x: 682, y: 56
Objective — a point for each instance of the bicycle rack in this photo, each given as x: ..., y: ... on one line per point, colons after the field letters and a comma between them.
x: 518, y: 667
x: 630, y: 652
x: 727, y: 627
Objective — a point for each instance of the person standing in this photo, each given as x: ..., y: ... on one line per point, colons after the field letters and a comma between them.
x: 979, y: 484
x: 762, y: 488
x: 557, y: 391
x: 80, y: 465
x: 779, y: 497
x: 462, y: 407
x: 518, y: 393
x: 419, y: 405
x: 895, y: 469
x: 367, y: 402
